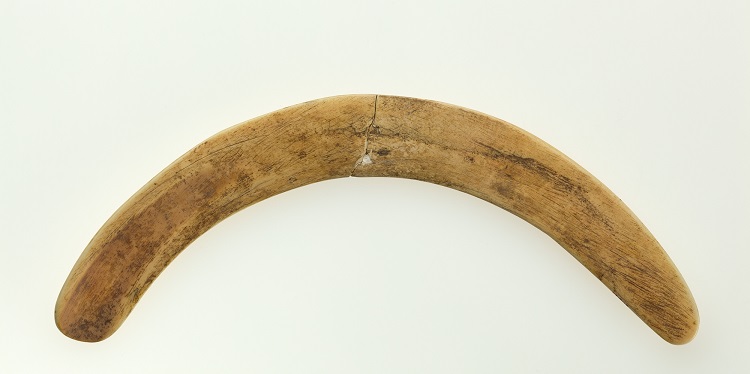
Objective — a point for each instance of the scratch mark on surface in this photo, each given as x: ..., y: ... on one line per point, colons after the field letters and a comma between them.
x: 365, y: 158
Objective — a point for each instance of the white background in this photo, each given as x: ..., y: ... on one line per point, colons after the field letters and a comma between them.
x: 375, y: 275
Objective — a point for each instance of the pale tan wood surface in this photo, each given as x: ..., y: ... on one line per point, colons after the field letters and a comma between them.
x: 372, y: 135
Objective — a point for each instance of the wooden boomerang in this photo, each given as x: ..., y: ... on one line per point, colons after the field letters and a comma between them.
x: 371, y: 135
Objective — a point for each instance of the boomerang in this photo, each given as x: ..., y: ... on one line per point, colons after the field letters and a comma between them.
x: 372, y: 136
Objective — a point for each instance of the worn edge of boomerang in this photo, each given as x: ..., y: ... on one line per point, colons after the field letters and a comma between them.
x: 367, y: 135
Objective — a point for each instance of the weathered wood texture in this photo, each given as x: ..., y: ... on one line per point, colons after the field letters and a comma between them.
x: 369, y: 135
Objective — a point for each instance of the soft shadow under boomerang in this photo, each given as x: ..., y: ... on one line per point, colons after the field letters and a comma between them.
x: 371, y: 135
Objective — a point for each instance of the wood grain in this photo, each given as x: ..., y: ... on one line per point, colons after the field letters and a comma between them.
x: 372, y: 135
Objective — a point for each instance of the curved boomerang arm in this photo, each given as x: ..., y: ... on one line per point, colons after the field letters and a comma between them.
x: 371, y: 135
